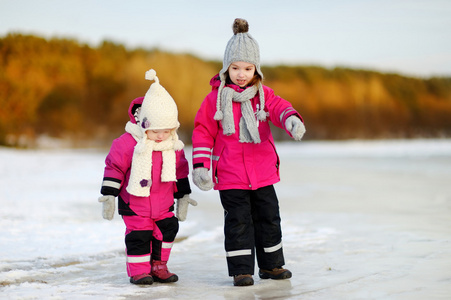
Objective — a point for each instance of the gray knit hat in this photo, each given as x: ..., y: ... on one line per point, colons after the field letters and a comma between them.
x: 241, y: 47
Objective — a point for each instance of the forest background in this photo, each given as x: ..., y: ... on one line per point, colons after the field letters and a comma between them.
x: 62, y: 89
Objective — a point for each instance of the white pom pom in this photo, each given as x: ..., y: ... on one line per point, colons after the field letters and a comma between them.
x: 178, y: 145
x: 151, y: 75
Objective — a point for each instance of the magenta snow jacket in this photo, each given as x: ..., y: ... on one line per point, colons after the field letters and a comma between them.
x: 117, y: 172
x: 236, y: 165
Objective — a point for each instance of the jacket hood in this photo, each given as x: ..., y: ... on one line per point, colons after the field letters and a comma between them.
x: 215, y: 82
x: 135, y: 104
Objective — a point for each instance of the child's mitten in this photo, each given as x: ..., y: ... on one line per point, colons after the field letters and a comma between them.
x: 295, y: 126
x: 182, y: 207
x: 201, y: 179
x: 108, y: 206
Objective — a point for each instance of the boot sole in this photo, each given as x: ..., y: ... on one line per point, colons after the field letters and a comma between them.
x: 284, y: 275
x: 244, y: 282
x: 173, y: 278
x: 147, y: 281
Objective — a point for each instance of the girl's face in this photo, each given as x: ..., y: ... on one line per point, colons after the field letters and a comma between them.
x: 241, y: 73
x: 158, y: 135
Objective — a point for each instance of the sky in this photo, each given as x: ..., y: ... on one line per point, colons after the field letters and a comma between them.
x: 407, y: 37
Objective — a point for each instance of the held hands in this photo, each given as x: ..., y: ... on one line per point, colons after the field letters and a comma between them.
x: 182, y: 207
x: 108, y: 206
x: 295, y: 126
x: 201, y: 179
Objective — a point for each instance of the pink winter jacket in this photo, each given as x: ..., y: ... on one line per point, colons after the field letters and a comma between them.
x: 117, y: 172
x: 236, y: 165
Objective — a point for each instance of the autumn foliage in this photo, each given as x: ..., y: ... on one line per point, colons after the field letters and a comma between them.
x: 65, y: 89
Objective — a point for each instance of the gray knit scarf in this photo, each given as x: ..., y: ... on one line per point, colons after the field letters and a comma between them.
x: 248, y: 122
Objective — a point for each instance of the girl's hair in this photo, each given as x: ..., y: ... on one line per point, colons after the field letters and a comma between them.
x: 254, y: 81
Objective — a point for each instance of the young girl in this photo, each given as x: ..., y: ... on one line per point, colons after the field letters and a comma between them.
x: 232, y: 130
x: 146, y: 169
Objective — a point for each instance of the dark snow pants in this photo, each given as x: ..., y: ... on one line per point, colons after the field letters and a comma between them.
x: 148, y: 239
x: 252, y: 227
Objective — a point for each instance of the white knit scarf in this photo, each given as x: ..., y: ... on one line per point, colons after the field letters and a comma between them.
x: 140, y: 179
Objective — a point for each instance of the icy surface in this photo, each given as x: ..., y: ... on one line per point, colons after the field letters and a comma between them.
x: 360, y: 220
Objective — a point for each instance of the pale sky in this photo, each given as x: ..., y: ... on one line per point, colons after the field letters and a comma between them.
x: 409, y: 37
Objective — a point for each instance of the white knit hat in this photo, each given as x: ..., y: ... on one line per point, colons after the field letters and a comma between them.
x: 158, y: 110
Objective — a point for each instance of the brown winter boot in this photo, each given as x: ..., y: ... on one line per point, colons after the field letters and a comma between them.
x: 276, y: 273
x: 161, y: 273
x: 243, y: 280
x: 141, y: 279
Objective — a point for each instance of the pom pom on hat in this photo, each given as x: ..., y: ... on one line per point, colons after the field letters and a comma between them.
x: 240, y: 26
x: 152, y: 75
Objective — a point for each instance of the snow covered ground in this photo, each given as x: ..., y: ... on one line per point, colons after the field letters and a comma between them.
x: 361, y: 220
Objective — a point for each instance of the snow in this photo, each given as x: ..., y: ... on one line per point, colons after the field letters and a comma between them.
x: 360, y: 220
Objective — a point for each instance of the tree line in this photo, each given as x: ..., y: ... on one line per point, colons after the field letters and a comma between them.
x: 62, y: 88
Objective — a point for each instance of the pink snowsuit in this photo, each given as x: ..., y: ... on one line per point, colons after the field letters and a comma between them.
x: 238, y: 165
x: 151, y: 226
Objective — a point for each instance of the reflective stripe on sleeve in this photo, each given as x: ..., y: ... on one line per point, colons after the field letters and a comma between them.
x: 202, y: 149
x: 202, y: 152
x: 201, y: 155
x: 110, y: 183
x: 285, y: 112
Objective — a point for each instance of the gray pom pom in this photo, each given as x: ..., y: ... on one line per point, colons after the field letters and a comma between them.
x: 240, y: 26
x: 218, y: 115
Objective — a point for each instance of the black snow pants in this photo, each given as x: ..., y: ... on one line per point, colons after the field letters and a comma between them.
x: 252, y: 227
